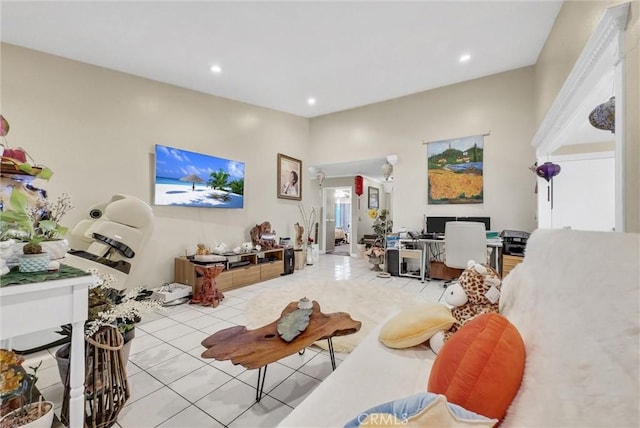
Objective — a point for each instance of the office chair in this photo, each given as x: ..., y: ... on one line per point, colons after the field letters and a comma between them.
x: 464, y: 241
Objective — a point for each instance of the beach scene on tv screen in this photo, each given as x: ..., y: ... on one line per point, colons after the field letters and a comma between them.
x: 192, y: 179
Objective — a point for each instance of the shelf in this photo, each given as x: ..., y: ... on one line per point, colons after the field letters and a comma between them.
x: 411, y: 254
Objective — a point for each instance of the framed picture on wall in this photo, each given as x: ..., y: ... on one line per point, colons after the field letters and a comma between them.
x: 289, y: 178
x: 374, y: 197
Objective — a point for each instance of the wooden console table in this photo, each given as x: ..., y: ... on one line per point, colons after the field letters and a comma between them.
x: 262, y: 265
x: 28, y: 308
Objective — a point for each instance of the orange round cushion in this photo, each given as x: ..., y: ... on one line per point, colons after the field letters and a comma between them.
x: 480, y: 367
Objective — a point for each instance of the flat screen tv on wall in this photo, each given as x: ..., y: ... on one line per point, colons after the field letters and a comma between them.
x: 190, y: 179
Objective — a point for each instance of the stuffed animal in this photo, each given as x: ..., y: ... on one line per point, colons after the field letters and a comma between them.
x: 6, y: 250
x: 202, y: 250
x: 220, y: 248
x: 476, y: 292
x: 261, y: 234
x: 254, y: 233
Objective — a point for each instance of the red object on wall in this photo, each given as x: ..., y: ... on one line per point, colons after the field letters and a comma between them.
x: 359, y: 185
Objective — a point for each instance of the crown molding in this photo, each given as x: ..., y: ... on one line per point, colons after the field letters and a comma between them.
x: 599, y: 57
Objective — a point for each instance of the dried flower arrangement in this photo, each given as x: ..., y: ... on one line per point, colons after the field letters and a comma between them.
x: 15, y: 382
x: 111, y: 307
x: 308, y: 220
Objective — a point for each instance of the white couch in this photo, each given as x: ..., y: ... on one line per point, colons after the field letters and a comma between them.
x: 575, y: 300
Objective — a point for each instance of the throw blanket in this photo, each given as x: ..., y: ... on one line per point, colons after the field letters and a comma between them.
x: 575, y: 300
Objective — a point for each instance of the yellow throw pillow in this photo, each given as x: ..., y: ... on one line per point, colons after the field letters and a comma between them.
x: 416, y: 325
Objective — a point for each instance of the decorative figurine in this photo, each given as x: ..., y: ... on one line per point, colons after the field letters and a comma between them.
x: 208, y: 295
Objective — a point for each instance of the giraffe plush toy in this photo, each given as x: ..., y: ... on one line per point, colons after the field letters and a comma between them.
x: 476, y: 292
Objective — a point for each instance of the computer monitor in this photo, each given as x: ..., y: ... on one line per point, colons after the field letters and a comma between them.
x: 437, y: 224
x: 485, y: 220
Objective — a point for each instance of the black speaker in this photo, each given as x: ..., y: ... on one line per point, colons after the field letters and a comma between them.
x: 288, y: 261
x: 392, y: 261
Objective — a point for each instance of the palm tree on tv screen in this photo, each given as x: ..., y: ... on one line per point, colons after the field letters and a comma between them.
x: 218, y: 180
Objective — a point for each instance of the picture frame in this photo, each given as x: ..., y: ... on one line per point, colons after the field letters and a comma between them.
x: 374, y: 197
x: 289, y: 180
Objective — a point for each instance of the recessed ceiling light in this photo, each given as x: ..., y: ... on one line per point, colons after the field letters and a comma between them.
x: 311, y: 101
x: 216, y: 69
x: 465, y: 58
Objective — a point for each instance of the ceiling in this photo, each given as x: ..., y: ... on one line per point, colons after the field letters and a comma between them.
x: 278, y: 54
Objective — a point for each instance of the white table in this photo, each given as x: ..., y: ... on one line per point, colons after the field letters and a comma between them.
x: 28, y: 308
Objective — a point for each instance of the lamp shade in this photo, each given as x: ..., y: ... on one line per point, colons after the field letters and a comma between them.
x: 604, y: 116
x: 387, y: 169
x: 548, y: 170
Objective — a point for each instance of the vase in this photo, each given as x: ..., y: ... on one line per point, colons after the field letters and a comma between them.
x: 33, y: 262
x: 376, y: 261
x: 315, y: 252
x: 309, y: 255
x: 44, y: 421
x: 57, y: 248
x: 299, y: 259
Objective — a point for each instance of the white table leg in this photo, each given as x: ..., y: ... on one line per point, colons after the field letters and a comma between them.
x: 76, y: 376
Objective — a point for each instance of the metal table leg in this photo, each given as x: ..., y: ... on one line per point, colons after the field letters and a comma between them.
x: 331, y: 353
x: 262, y: 374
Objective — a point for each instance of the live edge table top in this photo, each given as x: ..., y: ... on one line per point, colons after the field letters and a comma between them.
x: 257, y: 348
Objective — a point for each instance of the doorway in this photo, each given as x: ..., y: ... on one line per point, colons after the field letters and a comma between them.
x: 583, y: 195
x: 338, y: 218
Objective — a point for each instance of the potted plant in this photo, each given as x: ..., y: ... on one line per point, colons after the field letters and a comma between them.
x: 109, y: 307
x: 27, y: 216
x: 382, y: 226
x: 16, y: 384
x: 35, y: 225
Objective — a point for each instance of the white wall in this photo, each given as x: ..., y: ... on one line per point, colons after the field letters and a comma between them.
x: 502, y: 104
x: 583, y: 193
x: 97, y: 129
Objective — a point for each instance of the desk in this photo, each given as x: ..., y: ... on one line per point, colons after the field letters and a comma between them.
x: 28, y: 308
x: 424, y: 244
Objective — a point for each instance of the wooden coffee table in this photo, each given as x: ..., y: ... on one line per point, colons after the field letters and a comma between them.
x: 256, y: 349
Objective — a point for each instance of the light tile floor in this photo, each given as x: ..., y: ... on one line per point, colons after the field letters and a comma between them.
x: 172, y: 386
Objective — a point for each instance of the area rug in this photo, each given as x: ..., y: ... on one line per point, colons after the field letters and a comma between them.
x: 366, y: 302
